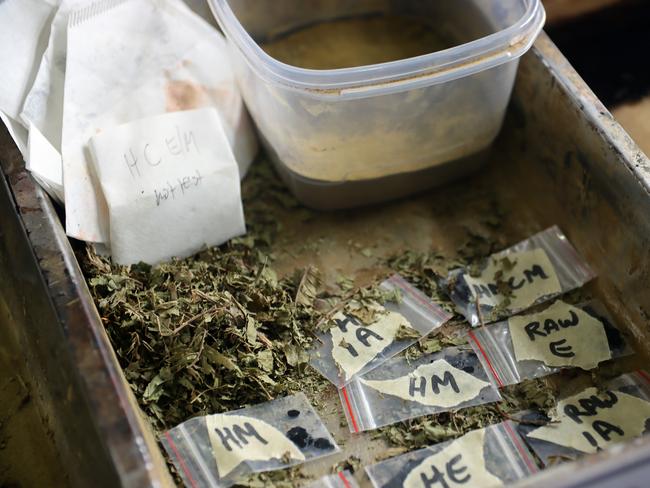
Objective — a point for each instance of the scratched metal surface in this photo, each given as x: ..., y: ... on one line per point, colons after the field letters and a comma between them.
x: 560, y: 159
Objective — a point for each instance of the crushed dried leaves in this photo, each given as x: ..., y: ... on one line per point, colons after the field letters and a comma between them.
x: 220, y: 331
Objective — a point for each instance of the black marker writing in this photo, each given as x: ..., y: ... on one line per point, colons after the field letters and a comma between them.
x: 453, y: 473
x: 419, y: 385
x: 559, y: 349
x: 588, y: 407
x: 603, y: 429
x: 363, y: 334
x: 490, y: 290
x: 534, y: 328
x: 239, y: 436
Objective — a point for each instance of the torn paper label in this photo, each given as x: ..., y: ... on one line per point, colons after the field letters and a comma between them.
x: 236, y: 439
x: 171, y: 185
x: 562, y: 335
x: 524, y: 276
x: 590, y: 421
x: 461, y: 463
x: 354, y: 344
x: 436, y: 384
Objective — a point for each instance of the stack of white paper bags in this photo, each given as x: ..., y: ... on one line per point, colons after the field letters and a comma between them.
x: 120, y: 70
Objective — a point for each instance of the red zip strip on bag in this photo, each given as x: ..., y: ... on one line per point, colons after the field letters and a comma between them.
x: 178, y: 456
x: 523, y: 452
x: 348, y: 405
x: 344, y: 480
x: 487, y: 359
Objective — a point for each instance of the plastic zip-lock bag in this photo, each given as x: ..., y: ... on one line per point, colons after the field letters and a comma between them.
x: 492, y: 456
x: 400, y: 389
x: 542, y: 343
x: 342, y: 479
x: 218, y: 450
x: 537, y: 269
x: 590, y: 420
x: 352, y: 348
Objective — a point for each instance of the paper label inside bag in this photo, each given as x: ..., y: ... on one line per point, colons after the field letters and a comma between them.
x: 171, y: 185
x: 562, y: 335
x: 590, y: 421
x: 436, y: 384
x: 461, y: 463
x: 354, y: 344
x: 520, y: 277
x: 236, y: 439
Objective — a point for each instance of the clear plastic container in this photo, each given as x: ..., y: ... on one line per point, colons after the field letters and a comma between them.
x: 352, y: 136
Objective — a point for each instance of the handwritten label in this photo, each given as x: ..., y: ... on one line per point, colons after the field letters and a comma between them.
x: 591, y: 421
x: 236, y: 439
x: 461, y: 463
x: 562, y: 335
x: 521, y: 277
x: 171, y: 185
x: 436, y: 384
x: 355, y: 344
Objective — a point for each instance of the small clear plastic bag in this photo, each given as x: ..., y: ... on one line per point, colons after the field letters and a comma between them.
x: 535, y: 270
x: 493, y: 456
x: 218, y: 450
x: 342, y: 479
x: 562, y: 335
x: 400, y: 389
x: 603, y: 418
x: 351, y: 348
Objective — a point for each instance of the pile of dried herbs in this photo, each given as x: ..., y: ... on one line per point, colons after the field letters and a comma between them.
x: 220, y: 331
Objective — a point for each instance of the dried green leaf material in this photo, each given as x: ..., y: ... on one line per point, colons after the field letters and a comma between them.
x: 424, y: 431
x: 286, y: 478
x: 406, y: 332
x: 352, y: 464
x: 308, y: 287
x: 222, y: 330
x: 217, y: 331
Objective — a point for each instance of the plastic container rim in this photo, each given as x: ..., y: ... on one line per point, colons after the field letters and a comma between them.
x: 371, y: 80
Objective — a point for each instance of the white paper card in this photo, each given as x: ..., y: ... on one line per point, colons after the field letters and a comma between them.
x: 131, y: 59
x: 171, y: 185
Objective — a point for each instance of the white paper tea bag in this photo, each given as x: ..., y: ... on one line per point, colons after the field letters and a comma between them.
x: 43, y: 105
x: 131, y: 59
x: 23, y: 36
x: 171, y: 185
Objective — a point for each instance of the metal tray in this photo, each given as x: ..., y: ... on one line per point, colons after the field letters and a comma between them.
x: 561, y: 159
